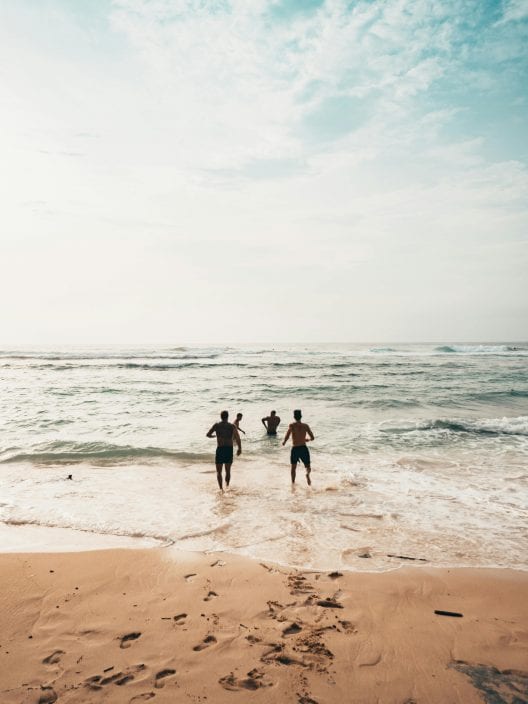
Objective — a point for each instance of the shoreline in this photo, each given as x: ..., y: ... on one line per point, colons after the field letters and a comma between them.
x: 124, y: 625
x: 78, y: 540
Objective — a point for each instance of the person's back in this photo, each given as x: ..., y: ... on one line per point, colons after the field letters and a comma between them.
x: 224, y: 433
x: 300, y: 433
x: 271, y: 423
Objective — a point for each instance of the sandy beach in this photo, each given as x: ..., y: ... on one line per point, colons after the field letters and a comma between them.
x: 134, y: 625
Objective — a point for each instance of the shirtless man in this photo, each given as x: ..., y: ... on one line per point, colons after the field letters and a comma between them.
x: 236, y: 423
x: 225, y: 434
x: 299, y: 451
x: 271, y: 423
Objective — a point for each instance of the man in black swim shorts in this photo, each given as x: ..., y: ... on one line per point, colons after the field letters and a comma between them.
x: 225, y: 434
x: 299, y: 451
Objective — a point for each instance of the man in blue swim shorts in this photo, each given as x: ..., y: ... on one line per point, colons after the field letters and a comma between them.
x: 299, y: 451
x: 225, y: 433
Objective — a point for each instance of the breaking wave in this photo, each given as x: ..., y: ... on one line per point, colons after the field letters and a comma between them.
x: 479, y: 349
x: 486, y: 426
x: 68, y: 452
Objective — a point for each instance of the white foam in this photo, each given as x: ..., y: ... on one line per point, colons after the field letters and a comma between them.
x: 485, y: 349
x: 422, y: 506
x: 38, y: 538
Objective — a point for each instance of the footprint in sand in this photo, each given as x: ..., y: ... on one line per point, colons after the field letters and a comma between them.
x: 329, y: 603
x: 162, y: 675
x: 93, y: 682
x: 273, y: 649
x: 126, y: 639
x: 210, y: 595
x: 298, y: 584
x: 189, y: 577
x: 305, y: 699
x: 47, y: 696
x: 180, y: 619
x: 120, y: 678
x: 253, y: 639
x: 274, y: 607
x: 312, y: 644
x: 53, y: 658
x: 142, y: 697
x: 254, y: 680
x: 113, y: 678
x: 287, y: 660
x: 277, y: 654
x: 207, y: 641
x: 348, y: 626
x: 124, y: 680
x: 290, y: 630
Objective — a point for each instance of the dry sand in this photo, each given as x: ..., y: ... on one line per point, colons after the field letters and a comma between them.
x: 131, y: 626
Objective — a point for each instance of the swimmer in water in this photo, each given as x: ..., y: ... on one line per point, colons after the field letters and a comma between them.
x: 236, y: 423
x: 271, y: 423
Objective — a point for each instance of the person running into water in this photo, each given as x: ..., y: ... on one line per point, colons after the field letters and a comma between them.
x: 299, y: 451
x: 225, y: 434
x: 236, y: 423
x: 271, y: 423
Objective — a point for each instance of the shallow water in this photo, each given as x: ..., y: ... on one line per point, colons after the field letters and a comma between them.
x: 421, y: 451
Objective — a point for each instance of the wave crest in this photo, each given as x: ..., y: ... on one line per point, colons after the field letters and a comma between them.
x: 478, y: 349
x: 486, y: 426
x: 68, y: 452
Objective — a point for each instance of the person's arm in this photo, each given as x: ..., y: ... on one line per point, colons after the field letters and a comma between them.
x: 278, y: 421
x: 236, y: 438
x: 264, y: 422
x: 212, y: 432
x: 287, y: 436
x: 240, y: 430
x: 308, y: 430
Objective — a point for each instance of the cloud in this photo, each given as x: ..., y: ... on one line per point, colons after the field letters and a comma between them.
x: 356, y: 151
x: 242, y: 87
x: 514, y: 11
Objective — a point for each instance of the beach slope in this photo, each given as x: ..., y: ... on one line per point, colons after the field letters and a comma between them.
x: 132, y: 626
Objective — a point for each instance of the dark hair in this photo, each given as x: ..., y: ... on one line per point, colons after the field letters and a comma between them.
x: 297, y: 414
x: 239, y: 415
x: 224, y: 415
x: 273, y: 413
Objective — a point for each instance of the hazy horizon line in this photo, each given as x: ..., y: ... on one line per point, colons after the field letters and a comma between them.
x: 224, y: 343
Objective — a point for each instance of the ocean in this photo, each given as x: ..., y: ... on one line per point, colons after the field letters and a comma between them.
x: 420, y: 453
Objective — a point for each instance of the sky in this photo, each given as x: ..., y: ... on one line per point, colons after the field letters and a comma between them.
x: 197, y: 171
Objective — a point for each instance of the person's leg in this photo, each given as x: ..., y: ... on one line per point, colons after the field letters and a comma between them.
x: 228, y: 474
x: 219, y: 476
x: 305, y: 457
x: 294, y: 458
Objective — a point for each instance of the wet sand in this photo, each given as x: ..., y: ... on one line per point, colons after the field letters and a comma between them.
x: 136, y: 625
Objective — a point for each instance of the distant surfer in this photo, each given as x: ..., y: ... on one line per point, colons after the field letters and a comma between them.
x: 299, y: 451
x: 271, y: 423
x: 225, y: 433
x: 236, y: 423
